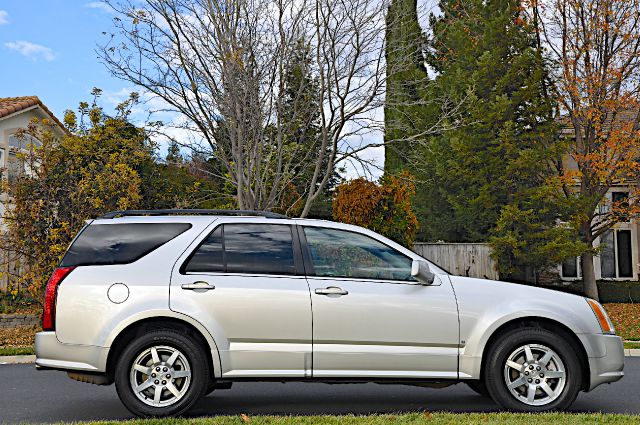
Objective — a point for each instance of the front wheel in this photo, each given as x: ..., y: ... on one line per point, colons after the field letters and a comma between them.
x: 533, y: 369
x: 161, y: 373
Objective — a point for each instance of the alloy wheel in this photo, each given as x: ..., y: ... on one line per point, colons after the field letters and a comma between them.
x: 535, y: 374
x: 160, y: 376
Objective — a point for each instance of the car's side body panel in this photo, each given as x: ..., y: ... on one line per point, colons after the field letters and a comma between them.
x: 385, y: 329
x: 262, y: 323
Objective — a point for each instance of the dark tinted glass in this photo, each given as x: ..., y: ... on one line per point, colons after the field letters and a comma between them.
x: 208, y: 257
x: 570, y: 267
x: 105, y: 244
x: 625, y: 268
x: 621, y: 201
x: 607, y: 255
x: 258, y: 248
x: 339, y: 253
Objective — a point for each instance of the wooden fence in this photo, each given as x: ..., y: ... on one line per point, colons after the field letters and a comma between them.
x: 463, y: 259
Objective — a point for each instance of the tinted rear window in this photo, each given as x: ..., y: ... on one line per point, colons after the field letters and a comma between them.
x: 106, y: 244
x: 245, y: 248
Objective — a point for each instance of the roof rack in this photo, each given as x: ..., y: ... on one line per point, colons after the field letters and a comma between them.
x: 124, y: 213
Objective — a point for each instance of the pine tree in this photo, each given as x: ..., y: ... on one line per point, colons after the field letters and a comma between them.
x: 491, y: 178
x: 407, y: 84
x: 485, y: 54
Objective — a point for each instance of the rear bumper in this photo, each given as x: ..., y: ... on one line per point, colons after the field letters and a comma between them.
x: 52, y: 354
x: 606, y: 359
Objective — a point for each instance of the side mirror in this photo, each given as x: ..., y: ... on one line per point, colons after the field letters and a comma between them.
x: 422, y: 272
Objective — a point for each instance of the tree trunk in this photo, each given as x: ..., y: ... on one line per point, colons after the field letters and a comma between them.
x: 589, y: 276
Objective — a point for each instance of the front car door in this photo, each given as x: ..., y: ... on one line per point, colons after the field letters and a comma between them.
x: 244, y: 281
x: 370, y: 317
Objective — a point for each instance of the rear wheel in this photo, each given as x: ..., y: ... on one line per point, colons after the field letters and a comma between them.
x: 161, y: 373
x: 533, y: 369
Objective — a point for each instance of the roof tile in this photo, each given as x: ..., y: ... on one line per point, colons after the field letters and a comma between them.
x: 10, y: 105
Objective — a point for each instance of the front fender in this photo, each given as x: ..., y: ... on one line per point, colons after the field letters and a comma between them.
x: 486, y: 306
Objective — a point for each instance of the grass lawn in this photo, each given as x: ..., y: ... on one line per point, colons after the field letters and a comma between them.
x: 16, y: 351
x: 412, y: 418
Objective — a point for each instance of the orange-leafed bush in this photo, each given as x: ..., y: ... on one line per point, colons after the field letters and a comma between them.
x: 385, y: 207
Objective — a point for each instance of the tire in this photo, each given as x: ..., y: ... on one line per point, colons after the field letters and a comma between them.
x: 479, y: 387
x: 544, y: 371
x: 180, y: 365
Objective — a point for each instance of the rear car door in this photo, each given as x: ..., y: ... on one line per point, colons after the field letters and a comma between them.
x: 245, y: 282
x: 370, y: 317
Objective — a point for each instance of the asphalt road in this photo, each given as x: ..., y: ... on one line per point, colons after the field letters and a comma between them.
x: 30, y: 396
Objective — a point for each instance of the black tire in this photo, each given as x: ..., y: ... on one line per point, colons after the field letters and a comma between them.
x: 192, y: 351
x: 510, y: 342
x: 479, y: 387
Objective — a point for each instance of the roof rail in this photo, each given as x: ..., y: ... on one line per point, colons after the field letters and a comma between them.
x: 124, y: 213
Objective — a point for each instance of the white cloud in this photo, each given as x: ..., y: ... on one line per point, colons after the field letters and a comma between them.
x: 99, y: 5
x: 3, y: 17
x: 31, y: 50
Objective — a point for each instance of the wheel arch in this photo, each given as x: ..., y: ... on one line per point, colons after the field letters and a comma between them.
x: 132, y: 328
x: 545, y: 323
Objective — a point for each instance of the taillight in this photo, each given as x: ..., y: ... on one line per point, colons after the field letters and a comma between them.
x: 50, y: 294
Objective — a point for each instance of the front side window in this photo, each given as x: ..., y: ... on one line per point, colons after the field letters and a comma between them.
x: 339, y: 253
x: 245, y: 248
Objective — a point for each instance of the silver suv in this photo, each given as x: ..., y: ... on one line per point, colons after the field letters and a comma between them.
x: 172, y: 306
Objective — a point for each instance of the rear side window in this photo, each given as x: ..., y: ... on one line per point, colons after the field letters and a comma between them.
x: 245, y: 248
x: 107, y: 244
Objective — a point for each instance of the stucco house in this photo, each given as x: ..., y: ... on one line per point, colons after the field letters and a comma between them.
x: 16, y: 113
x: 619, y: 257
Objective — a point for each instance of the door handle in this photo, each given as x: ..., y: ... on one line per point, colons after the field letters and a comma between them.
x: 331, y: 290
x: 198, y: 286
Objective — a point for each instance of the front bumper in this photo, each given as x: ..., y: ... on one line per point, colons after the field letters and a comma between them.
x: 53, y: 354
x: 606, y: 358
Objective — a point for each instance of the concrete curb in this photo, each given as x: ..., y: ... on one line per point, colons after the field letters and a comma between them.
x: 24, y: 359
x: 628, y: 352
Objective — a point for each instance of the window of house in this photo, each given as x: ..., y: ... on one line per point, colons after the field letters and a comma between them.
x: 23, y: 142
x: 616, y: 259
x: 245, y: 248
x: 15, y: 166
x: 608, y: 255
x: 625, y: 262
x: 570, y: 267
x: 621, y: 200
x: 339, y: 253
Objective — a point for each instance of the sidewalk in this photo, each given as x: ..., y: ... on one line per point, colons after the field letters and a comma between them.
x: 23, y: 359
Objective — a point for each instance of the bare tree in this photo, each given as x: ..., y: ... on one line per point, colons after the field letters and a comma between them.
x: 594, y: 50
x: 222, y: 64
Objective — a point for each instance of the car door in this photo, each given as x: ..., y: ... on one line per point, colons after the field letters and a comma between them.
x: 244, y: 281
x: 370, y: 317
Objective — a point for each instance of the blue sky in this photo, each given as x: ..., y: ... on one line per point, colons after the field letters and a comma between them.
x: 47, y: 49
